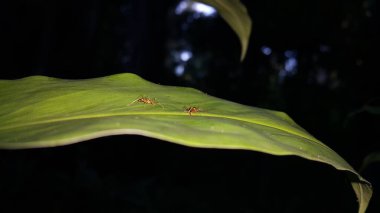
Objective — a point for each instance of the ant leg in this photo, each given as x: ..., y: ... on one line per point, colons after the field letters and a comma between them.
x: 156, y: 102
x: 133, y: 102
x: 161, y: 105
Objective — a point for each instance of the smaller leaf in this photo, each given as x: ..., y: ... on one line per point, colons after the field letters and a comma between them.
x: 236, y: 15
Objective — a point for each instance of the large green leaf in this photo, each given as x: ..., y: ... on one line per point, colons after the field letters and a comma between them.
x: 237, y: 17
x: 43, y: 112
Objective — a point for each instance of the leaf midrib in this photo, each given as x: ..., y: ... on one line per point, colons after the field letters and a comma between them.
x: 199, y: 114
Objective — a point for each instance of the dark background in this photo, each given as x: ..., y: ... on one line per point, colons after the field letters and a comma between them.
x: 315, y: 60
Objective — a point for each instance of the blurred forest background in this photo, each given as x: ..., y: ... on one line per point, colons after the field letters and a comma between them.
x: 315, y: 60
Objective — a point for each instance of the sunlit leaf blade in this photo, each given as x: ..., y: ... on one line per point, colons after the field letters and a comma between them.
x: 43, y: 112
x: 237, y: 17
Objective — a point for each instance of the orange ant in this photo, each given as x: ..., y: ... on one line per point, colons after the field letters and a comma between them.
x: 146, y: 100
x: 192, y: 109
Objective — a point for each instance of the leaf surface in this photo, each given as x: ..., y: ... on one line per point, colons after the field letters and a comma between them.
x: 40, y: 111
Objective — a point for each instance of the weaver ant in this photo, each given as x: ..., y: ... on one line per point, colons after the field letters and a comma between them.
x: 192, y: 109
x: 146, y: 100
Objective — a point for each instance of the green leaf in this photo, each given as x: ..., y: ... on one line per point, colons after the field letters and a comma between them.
x: 237, y: 17
x: 44, y: 112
